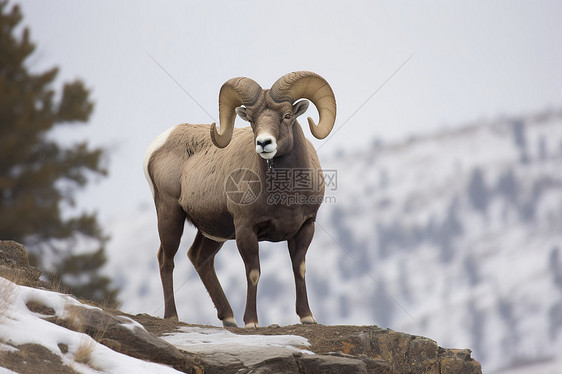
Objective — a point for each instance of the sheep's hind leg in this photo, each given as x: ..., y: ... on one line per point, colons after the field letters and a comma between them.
x: 202, y: 254
x: 298, y: 246
x: 170, y: 229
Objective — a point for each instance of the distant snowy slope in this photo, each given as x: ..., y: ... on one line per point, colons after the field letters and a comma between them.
x: 460, y: 231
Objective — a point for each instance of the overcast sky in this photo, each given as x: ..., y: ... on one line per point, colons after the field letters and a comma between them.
x: 396, y: 68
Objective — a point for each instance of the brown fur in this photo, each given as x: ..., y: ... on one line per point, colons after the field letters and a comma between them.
x: 189, y: 174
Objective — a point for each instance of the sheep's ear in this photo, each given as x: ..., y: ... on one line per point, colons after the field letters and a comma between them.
x: 241, y: 111
x: 300, y: 107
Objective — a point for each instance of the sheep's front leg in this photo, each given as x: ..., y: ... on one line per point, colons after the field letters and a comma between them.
x: 298, y: 246
x: 247, y: 242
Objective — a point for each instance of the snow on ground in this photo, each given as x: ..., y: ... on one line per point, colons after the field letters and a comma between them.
x: 19, y: 325
x: 199, y: 340
x: 229, y: 348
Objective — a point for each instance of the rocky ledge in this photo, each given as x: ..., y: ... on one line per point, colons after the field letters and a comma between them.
x: 204, y: 349
x: 330, y: 349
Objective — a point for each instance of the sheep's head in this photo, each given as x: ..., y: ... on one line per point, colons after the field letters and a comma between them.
x: 273, y: 112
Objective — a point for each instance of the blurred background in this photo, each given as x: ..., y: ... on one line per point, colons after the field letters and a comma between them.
x: 447, y: 215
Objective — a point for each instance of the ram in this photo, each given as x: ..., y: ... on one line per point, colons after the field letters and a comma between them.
x: 223, y: 182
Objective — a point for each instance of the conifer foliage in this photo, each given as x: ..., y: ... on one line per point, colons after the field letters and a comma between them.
x: 38, y: 175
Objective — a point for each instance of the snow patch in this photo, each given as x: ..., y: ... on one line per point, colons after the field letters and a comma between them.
x: 204, y: 340
x: 18, y: 326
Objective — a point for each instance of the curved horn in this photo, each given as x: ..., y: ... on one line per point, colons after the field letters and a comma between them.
x: 233, y: 93
x: 308, y: 85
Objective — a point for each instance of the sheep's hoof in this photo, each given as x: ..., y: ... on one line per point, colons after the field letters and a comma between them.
x: 250, y: 325
x: 308, y: 320
x: 173, y: 317
x: 229, y: 322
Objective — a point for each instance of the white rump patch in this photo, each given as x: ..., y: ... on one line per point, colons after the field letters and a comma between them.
x: 153, y: 147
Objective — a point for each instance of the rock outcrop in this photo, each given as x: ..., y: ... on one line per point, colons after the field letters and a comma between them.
x: 14, y: 265
x: 319, y: 349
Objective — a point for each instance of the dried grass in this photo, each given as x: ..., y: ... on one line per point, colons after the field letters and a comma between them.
x: 16, y: 276
x: 76, y: 318
x: 83, y: 354
x: 56, y: 285
x: 7, y: 293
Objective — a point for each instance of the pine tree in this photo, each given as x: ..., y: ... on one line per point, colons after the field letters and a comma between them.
x: 38, y: 176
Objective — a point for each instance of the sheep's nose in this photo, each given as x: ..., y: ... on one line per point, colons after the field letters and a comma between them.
x: 264, y: 142
x: 266, y: 145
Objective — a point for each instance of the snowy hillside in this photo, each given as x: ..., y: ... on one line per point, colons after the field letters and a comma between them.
x: 77, y: 352
x: 458, y: 231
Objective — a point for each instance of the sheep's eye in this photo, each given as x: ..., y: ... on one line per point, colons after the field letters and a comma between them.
x: 287, y: 115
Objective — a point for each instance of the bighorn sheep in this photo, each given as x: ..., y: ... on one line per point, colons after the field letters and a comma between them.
x: 189, y: 172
